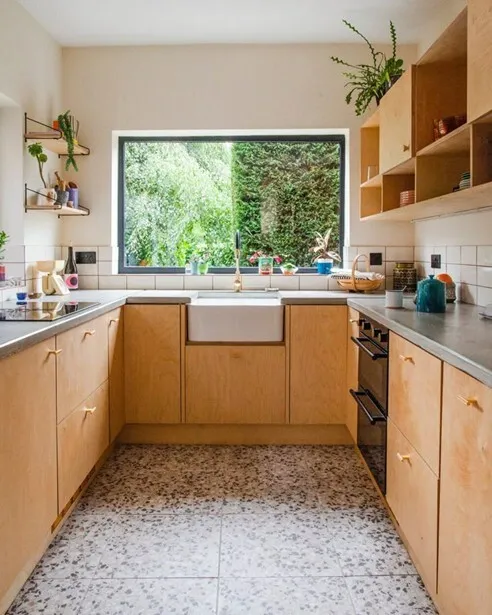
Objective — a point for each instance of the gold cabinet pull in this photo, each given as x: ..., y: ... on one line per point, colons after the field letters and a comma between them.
x: 406, y: 359
x: 55, y: 352
x: 90, y: 410
x: 406, y: 148
x: 89, y: 332
x: 468, y: 401
x: 114, y: 320
x: 353, y: 320
x: 403, y: 458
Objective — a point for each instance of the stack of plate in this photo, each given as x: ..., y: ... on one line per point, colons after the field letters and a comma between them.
x: 407, y: 197
x: 465, y: 181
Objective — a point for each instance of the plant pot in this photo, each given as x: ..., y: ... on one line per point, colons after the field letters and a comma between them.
x: 202, y: 268
x: 265, y: 265
x: 46, y: 197
x: 324, y: 266
x: 62, y: 197
x: 73, y: 197
x: 194, y: 268
x: 3, y: 274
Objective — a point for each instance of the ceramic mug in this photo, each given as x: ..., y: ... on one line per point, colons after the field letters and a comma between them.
x: 394, y: 299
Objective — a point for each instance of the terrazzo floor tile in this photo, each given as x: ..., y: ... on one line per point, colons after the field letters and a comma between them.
x: 310, y: 596
x: 403, y: 595
x: 277, y: 545
x: 151, y: 597
x: 49, y: 597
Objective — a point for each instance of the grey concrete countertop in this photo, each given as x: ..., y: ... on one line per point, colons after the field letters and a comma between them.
x: 163, y: 297
x: 16, y: 336
x: 459, y: 336
x: 319, y: 297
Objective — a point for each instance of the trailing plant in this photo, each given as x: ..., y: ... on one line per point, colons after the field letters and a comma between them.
x: 371, y: 81
x: 3, y: 241
x: 36, y: 151
x: 66, y: 128
x: 322, y: 247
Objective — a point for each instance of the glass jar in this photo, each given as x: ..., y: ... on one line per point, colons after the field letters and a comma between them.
x: 265, y: 265
x: 405, y: 276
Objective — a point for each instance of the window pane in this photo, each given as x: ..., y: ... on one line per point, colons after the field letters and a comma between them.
x: 184, y: 199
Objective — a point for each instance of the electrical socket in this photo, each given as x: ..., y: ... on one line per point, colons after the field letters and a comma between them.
x: 435, y: 261
x: 375, y: 258
x: 85, y: 258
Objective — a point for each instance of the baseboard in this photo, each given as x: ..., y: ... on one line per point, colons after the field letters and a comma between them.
x: 235, y: 434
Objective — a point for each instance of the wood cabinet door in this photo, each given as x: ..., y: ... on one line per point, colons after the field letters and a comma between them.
x: 412, y: 494
x: 352, y: 371
x: 28, y: 483
x: 396, y: 123
x: 318, y: 360
x: 82, y: 363
x: 152, y: 363
x: 116, y: 372
x: 479, y: 58
x: 465, y: 541
x: 235, y: 384
x: 414, y: 397
x: 83, y: 436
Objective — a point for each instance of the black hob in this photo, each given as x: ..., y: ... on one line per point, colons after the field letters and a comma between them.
x: 41, y: 311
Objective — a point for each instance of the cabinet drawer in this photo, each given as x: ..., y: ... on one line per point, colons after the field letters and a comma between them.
x: 82, y: 438
x: 116, y: 373
x: 415, y: 397
x: 412, y: 494
x: 235, y: 384
x: 82, y: 365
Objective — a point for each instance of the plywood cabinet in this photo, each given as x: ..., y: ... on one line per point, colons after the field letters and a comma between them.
x: 82, y: 363
x: 28, y: 483
x: 116, y: 372
x: 412, y: 494
x: 465, y: 545
x: 352, y: 371
x: 235, y: 384
x: 396, y: 123
x: 479, y: 58
x: 152, y: 363
x: 414, y: 397
x: 83, y: 436
x: 318, y: 360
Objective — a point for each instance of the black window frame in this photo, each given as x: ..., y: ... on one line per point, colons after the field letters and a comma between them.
x: 122, y: 140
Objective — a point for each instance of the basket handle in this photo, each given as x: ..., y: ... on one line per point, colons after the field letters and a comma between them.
x: 354, y: 266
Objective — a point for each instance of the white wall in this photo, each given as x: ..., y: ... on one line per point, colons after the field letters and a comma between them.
x: 208, y: 87
x: 30, y: 81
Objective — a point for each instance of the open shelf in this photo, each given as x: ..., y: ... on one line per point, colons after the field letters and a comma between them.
x: 52, y: 139
x: 373, y: 120
x: 56, y: 208
x: 456, y: 142
x: 451, y: 46
x: 374, y: 182
x: 479, y: 197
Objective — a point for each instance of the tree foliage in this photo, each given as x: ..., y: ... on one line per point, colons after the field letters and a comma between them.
x: 185, y: 199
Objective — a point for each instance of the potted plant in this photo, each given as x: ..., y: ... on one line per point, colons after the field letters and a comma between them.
x: 324, y: 256
x: 203, y: 257
x: 289, y: 269
x: 265, y: 262
x: 371, y: 81
x: 3, y: 241
x: 65, y: 126
x: 46, y: 196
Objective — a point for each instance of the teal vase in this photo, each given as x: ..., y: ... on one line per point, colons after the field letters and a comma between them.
x: 431, y: 296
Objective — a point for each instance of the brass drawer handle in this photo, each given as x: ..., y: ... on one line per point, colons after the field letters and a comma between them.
x: 406, y: 359
x: 55, y: 352
x: 403, y: 458
x: 468, y: 401
x: 90, y: 410
x: 353, y: 320
x: 89, y: 332
x: 114, y: 320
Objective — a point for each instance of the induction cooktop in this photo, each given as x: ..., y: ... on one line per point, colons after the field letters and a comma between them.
x: 41, y: 310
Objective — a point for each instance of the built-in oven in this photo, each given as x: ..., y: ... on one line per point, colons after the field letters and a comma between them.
x: 372, y: 396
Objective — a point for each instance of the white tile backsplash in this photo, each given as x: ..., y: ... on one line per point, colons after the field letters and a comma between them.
x: 484, y: 256
x: 169, y: 282
x: 112, y: 282
x: 468, y: 293
x: 374, y: 249
x: 140, y: 282
x: 285, y: 282
x: 453, y: 255
x: 223, y: 282
x: 484, y: 296
x: 455, y: 272
x: 88, y: 282
x: 484, y: 276
x: 105, y: 268
x: 87, y: 269
x: 468, y: 255
x: 396, y: 253
x: 423, y: 253
x: 108, y: 253
x: 313, y: 282
x: 469, y: 274
x: 14, y: 254
x: 256, y: 282
x: 198, y: 282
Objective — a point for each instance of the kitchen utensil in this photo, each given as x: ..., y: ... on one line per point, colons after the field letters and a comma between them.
x: 405, y: 276
x: 394, y: 299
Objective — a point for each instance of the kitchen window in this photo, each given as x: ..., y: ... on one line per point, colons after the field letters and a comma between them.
x: 182, y: 198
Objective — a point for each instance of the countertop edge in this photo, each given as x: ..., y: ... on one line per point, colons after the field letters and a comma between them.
x: 432, y: 347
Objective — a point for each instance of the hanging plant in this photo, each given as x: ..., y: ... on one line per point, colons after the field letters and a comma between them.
x: 371, y: 81
x: 36, y: 151
x: 65, y: 126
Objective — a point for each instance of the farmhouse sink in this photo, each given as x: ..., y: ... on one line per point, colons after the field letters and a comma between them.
x: 247, y: 317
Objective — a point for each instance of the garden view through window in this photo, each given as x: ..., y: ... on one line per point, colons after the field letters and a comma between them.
x: 181, y: 200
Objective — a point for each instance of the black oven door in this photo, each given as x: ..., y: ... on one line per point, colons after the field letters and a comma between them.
x: 373, y: 370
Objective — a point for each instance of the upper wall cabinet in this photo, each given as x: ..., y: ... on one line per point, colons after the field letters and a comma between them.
x: 479, y: 58
x: 396, y: 123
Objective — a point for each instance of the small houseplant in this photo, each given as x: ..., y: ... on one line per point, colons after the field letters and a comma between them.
x: 3, y: 241
x: 36, y: 151
x: 265, y: 262
x: 324, y: 256
x: 202, y: 258
x: 371, y: 81
x: 65, y: 125
x: 289, y: 268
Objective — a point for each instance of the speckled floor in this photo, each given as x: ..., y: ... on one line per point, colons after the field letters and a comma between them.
x: 227, y: 531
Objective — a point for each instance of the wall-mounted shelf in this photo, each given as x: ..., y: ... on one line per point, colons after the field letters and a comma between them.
x: 374, y: 182
x: 56, y: 208
x: 52, y: 139
x: 456, y: 142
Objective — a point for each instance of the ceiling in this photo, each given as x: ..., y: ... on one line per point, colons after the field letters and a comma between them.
x: 149, y: 22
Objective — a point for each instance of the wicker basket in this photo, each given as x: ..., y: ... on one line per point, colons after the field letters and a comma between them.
x: 354, y: 284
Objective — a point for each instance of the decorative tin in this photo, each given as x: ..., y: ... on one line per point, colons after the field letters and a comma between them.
x: 405, y: 277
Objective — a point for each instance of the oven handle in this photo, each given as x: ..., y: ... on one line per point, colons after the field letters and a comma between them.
x: 374, y: 355
x: 357, y: 395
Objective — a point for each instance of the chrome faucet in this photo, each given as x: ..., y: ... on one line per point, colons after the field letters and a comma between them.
x: 238, y: 281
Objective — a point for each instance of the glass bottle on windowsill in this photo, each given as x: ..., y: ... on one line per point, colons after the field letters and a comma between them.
x: 71, y: 275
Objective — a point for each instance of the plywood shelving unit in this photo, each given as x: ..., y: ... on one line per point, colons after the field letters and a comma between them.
x: 436, y: 87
